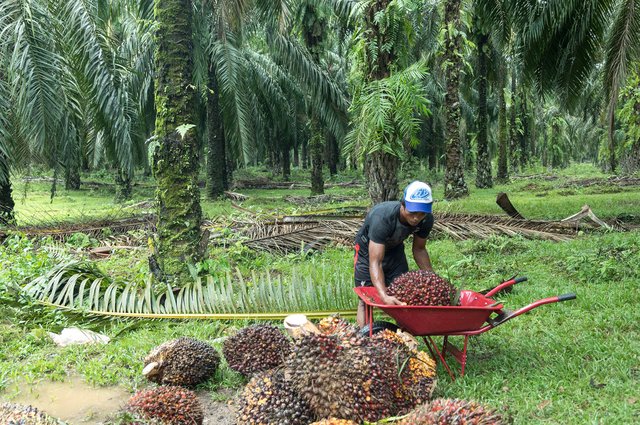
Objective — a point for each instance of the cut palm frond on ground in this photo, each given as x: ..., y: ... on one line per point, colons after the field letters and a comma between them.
x: 82, y: 287
x: 94, y: 228
x: 302, y: 233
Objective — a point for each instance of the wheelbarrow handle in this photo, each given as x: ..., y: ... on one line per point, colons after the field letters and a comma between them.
x: 505, y: 315
x: 567, y: 297
x: 505, y: 284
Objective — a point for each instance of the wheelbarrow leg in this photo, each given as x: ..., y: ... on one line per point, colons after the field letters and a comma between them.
x: 440, y: 354
x: 460, y: 356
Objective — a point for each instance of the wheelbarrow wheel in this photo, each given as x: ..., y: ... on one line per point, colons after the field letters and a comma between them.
x: 379, y: 327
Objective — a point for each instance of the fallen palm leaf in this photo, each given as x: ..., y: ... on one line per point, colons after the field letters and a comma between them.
x: 83, y: 287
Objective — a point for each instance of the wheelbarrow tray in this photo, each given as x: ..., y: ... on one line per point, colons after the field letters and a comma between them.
x: 472, y: 313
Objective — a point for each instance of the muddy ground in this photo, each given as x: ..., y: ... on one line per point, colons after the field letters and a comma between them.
x: 78, y: 403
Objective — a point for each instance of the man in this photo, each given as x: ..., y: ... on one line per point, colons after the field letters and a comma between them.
x: 379, y: 256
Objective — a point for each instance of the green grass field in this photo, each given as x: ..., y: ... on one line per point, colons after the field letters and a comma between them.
x: 576, y: 362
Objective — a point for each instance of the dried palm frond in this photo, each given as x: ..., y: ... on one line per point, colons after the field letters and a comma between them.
x: 94, y: 228
x: 302, y: 233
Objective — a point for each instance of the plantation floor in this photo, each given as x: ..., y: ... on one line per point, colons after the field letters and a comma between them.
x: 576, y: 362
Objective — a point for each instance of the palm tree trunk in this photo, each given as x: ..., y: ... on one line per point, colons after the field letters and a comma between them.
x: 305, y: 154
x: 332, y: 154
x: 483, y: 173
x: 72, y: 176
x: 178, y: 237
x: 316, y: 146
x: 381, y: 170
x: 285, y: 154
x: 216, y: 154
x: 524, y: 136
x: 503, y: 171
x: 454, y: 184
x: 513, y: 127
x: 613, y: 161
x: 123, y: 185
x: 7, y: 216
x: 296, y: 155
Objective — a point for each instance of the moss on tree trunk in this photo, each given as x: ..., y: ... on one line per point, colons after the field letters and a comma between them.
x: 454, y: 184
x: 178, y: 236
x: 503, y: 170
x: 483, y: 161
x: 382, y: 176
x: 316, y: 148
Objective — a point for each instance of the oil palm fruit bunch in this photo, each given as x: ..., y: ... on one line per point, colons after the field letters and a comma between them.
x: 167, y: 405
x: 335, y: 325
x: 184, y: 361
x: 354, y: 379
x: 256, y: 348
x: 334, y: 421
x: 269, y: 398
x: 18, y: 414
x: 418, y: 370
x: 452, y: 411
x: 423, y: 288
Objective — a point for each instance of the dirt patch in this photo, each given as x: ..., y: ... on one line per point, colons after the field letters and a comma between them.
x: 216, y: 412
x: 77, y: 403
x: 74, y: 401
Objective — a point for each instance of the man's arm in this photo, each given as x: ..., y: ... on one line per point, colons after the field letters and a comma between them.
x: 420, y: 254
x: 376, y: 254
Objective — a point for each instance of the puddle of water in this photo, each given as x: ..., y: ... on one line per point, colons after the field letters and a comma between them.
x: 73, y: 401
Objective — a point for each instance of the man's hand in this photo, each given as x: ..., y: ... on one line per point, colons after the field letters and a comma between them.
x: 391, y: 300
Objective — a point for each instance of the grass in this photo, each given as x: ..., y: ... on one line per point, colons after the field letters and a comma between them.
x: 568, y: 363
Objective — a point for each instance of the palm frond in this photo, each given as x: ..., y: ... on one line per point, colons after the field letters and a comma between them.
x: 327, y: 101
x: 623, y: 44
x: 230, y: 66
x: 83, y: 288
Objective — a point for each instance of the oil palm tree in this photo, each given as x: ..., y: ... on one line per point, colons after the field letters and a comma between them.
x: 564, y: 40
x: 388, y: 94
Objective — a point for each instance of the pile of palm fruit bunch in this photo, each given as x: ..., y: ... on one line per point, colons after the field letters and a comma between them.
x: 184, y: 362
x: 175, y: 365
x: 334, y: 421
x: 423, y: 288
x: 333, y: 376
x: 256, y: 348
x: 166, y: 405
x: 419, y: 372
x: 452, y: 411
x: 269, y: 398
x: 18, y: 414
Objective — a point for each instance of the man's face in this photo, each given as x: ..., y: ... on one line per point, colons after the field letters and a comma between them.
x: 412, y: 218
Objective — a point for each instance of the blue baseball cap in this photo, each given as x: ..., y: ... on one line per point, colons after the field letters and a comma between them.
x: 417, y: 197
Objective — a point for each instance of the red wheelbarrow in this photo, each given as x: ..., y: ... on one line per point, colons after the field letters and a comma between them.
x: 476, y: 314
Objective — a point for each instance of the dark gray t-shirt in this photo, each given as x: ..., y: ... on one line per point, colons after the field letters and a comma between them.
x: 382, y: 225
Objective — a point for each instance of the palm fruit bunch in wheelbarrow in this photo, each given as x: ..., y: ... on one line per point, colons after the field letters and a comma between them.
x: 423, y: 288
